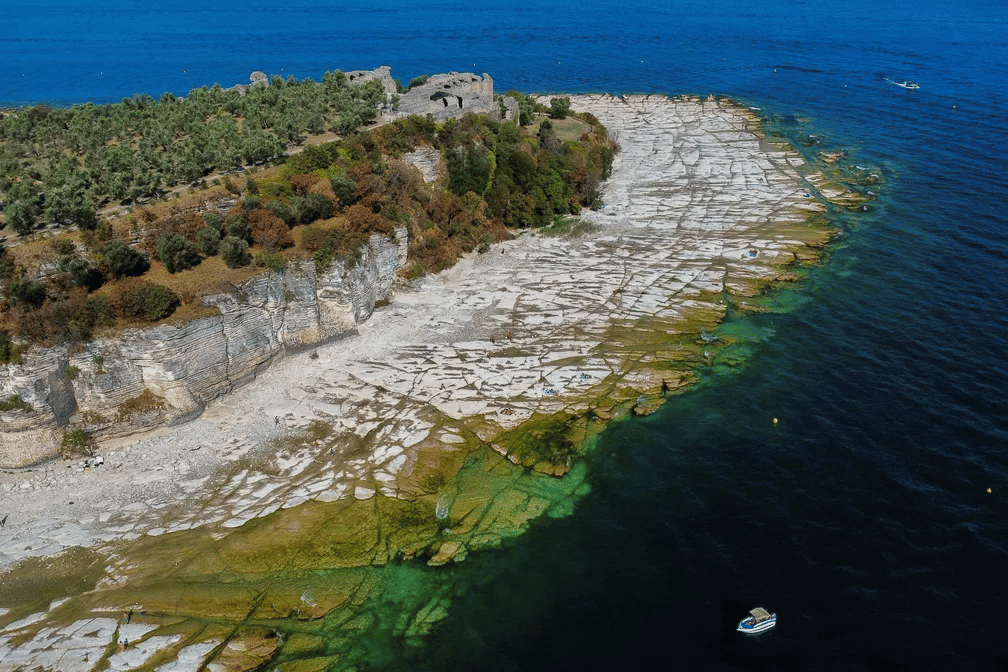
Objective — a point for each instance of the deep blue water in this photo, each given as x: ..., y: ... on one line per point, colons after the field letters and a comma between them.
x: 863, y: 517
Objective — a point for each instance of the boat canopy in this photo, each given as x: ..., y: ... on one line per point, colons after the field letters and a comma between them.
x: 760, y: 614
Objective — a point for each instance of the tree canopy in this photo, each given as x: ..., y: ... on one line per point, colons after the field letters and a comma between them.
x: 57, y: 165
x: 321, y: 204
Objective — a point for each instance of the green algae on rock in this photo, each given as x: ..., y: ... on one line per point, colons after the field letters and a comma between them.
x: 444, y: 423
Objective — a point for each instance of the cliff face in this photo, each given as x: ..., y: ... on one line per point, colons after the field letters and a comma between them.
x: 166, y: 374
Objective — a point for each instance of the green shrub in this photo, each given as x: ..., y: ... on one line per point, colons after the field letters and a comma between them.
x: 84, y: 274
x: 100, y: 311
x: 238, y: 228
x: 418, y: 81
x: 559, y: 108
x: 73, y: 372
x: 208, y: 238
x: 271, y: 260
x: 345, y: 189
x: 70, y: 319
x: 313, y: 158
x: 213, y: 220
x: 312, y: 207
x: 77, y: 443
x: 276, y: 188
x: 103, y: 231
x: 15, y: 403
x: 177, y: 253
x: 234, y: 252
x: 148, y: 300
x: 7, y: 267
x: 25, y: 292
x: 63, y: 246
x: 284, y: 211
x: 485, y: 242
x: 123, y: 261
x: 10, y: 352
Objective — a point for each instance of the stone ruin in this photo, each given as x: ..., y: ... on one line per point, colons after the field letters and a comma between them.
x: 450, y: 95
x: 383, y: 74
x: 443, y: 97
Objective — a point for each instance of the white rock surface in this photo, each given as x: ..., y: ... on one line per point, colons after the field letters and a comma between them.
x: 501, y: 336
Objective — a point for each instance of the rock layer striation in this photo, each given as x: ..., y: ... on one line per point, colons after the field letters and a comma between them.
x: 427, y: 410
x: 148, y: 378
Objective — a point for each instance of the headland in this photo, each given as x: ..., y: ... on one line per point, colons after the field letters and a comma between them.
x: 451, y: 417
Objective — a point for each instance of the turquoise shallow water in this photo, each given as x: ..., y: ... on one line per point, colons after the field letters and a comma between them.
x: 862, y: 518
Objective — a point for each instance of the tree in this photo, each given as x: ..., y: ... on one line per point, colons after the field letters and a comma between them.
x: 148, y: 300
x: 312, y: 207
x: 470, y: 169
x: 559, y: 108
x: 68, y: 196
x: 84, y: 274
x: 177, y: 253
x: 23, y: 207
x: 237, y: 227
x: 548, y: 137
x: 269, y: 231
x: 345, y: 189
x: 23, y: 291
x: 234, y: 252
x: 208, y: 238
x: 123, y: 261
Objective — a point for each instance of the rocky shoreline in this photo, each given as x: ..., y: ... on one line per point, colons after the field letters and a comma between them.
x: 441, y: 391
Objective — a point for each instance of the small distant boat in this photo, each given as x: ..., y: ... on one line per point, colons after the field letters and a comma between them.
x: 757, y: 622
x: 905, y: 85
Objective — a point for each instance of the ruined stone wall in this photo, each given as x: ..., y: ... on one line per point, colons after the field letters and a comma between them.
x: 450, y: 95
x: 146, y: 378
x: 443, y: 96
x: 383, y: 74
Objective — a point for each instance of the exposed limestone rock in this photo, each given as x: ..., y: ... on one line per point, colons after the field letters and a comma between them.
x: 185, y: 366
x: 427, y: 161
x: 446, y: 552
x: 522, y: 341
x: 648, y: 407
x: 23, y: 442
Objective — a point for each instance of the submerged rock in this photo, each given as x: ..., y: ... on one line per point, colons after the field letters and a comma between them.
x: 457, y: 442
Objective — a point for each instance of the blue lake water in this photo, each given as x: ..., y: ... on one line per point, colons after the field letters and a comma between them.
x: 863, y: 517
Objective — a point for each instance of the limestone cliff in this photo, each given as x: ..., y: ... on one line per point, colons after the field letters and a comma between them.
x: 165, y: 374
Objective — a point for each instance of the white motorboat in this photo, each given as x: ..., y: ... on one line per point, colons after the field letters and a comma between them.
x: 757, y: 622
x: 905, y: 85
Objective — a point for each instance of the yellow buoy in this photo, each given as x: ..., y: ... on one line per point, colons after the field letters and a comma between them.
x: 775, y: 421
x: 988, y: 491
